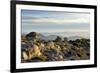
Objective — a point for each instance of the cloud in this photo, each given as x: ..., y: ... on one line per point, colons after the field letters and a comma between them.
x: 63, y: 30
x: 56, y: 21
x: 64, y: 33
x: 53, y: 17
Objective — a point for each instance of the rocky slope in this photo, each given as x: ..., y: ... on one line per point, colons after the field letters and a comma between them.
x: 35, y: 49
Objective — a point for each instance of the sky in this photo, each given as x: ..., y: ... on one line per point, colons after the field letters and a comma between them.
x: 60, y: 23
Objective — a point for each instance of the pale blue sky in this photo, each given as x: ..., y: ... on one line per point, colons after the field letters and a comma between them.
x: 56, y: 23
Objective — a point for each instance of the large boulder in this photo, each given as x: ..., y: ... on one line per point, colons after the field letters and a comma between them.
x: 53, y: 54
x: 32, y: 36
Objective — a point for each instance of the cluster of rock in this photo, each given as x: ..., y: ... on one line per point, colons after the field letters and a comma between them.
x: 33, y: 49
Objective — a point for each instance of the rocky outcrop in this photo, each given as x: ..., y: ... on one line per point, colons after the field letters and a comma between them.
x: 33, y: 49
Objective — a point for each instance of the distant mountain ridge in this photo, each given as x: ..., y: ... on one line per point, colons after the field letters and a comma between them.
x: 53, y: 37
x: 46, y: 38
